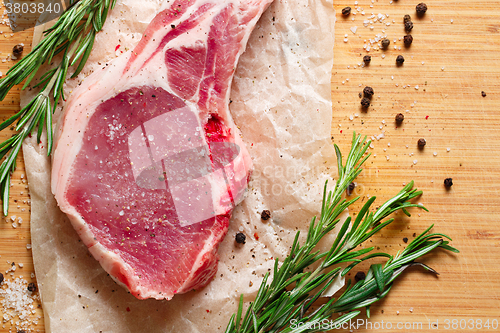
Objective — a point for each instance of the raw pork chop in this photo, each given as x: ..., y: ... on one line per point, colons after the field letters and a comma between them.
x: 148, y: 163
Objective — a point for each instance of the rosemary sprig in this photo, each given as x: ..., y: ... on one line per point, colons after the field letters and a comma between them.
x: 285, y: 304
x: 72, y: 35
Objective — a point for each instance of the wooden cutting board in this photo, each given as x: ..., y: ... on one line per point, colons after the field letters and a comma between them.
x: 453, y: 58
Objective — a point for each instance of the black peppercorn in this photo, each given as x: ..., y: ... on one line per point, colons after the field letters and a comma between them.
x: 408, y: 26
x: 385, y: 43
x: 367, y: 59
x: 265, y: 215
x: 346, y: 11
x: 421, y: 143
x: 368, y: 92
x: 32, y: 287
x: 408, y: 39
x: 18, y: 50
x: 405, y: 239
x: 448, y: 182
x: 350, y: 188
x: 1, y: 277
x: 399, y: 60
x: 406, y: 18
x: 365, y: 103
x: 421, y: 9
x: 483, y: 94
x: 21, y: 331
x: 360, y: 276
x: 240, y: 238
x: 399, y: 118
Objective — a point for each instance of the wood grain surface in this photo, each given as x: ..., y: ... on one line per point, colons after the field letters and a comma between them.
x: 453, y: 58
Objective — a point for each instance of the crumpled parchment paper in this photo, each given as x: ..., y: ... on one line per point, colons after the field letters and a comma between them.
x: 281, y: 101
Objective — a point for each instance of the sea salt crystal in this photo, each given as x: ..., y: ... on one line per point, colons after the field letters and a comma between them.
x: 354, y: 29
x: 28, y: 246
x: 448, y: 149
x: 121, y: 213
x: 415, y: 161
x: 435, y: 154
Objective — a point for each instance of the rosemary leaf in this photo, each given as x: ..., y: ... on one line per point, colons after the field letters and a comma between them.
x: 73, y: 35
x: 283, y: 302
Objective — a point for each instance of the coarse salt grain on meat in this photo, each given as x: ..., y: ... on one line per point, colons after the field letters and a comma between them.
x: 148, y: 162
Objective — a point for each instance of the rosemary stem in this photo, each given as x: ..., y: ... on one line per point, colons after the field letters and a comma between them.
x: 73, y: 35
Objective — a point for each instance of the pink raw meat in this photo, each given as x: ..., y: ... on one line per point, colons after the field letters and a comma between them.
x: 148, y: 163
